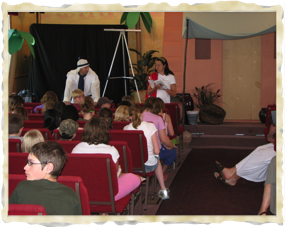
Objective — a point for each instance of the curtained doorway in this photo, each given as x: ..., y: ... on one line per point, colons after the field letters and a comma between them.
x: 57, y: 49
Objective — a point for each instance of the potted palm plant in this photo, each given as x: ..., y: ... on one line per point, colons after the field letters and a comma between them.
x: 143, y: 67
x: 209, y: 112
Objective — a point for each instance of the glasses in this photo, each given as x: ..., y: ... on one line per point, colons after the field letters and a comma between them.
x: 32, y: 163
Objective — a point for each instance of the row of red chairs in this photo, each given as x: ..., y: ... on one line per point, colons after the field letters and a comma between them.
x: 30, y: 106
x: 39, y: 124
x: 173, y: 111
x: 132, y: 159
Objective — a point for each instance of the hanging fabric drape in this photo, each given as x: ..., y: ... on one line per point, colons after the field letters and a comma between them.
x: 229, y: 25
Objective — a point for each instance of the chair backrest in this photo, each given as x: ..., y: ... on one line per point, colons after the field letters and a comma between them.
x: 77, y: 184
x: 99, y: 174
x: 29, y: 109
x: 14, y: 180
x: 119, y: 125
x: 15, y: 145
x: 125, y: 159
x: 73, y: 182
x: 68, y: 145
x: 45, y: 132
x: 36, y: 117
x: 137, y: 143
x: 174, y: 113
x: 34, y: 124
x: 32, y: 104
x: 17, y: 162
x: 81, y: 123
x: 39, y: 110
x: 26, y: 209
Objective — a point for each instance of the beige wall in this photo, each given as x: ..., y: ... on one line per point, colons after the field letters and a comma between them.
x: 242, y: 78
x: 268, y: 71
x: 202, y: 72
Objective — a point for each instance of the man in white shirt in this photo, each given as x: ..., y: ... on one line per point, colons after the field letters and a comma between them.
x: 83, y: 78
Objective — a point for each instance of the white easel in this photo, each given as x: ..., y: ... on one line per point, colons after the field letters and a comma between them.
x: 124, y: 41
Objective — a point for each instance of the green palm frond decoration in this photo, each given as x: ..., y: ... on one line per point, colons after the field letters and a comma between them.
x: 132, y: 18
x: 16, y: 40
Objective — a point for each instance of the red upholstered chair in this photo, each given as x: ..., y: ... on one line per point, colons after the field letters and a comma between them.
x: 17, y: 162
x: 174, y: 113
x: 81, y: 123
x: 68, y: 145
x: 126, y: 164
x: 119, y: 125
x: 45, y: 132
x: 138, y: 145
x: 26, y: 209
x: 15, y: 145
x: 30, y: 110
x: 14, y: 180
x: 39, y: 110
x: 77, y: 184
x: 36, y: 117
x: 99, y: 174
x: 32, y: 104
x: 34, y: 124
x: 73, y: 182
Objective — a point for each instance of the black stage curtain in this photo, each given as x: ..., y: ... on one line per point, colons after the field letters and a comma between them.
x: 58, y: 48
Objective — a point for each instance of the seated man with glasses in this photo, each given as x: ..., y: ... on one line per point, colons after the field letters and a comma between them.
x: 44, y: 164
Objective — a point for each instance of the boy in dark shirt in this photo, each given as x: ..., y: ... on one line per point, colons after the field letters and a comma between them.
x: 44, y: 164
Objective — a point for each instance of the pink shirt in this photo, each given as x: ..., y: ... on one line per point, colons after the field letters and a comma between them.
x: 157, y: 121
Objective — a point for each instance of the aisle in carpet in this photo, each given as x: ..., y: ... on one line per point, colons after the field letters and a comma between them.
x: 195, y: 191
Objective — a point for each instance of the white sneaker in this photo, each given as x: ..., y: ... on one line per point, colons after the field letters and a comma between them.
x: 164, y: 194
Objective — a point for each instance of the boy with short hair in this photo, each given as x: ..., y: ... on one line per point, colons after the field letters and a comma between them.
x: 16, y: 125
x: 77, y: 96
x: 44, y: 164
x: 104, y: 102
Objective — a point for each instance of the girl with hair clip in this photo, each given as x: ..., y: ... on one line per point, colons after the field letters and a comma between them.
x: 153, y: 162
x: 122, y: 113
x: 31, y: 138
x: 164, y: 74
x: 87, y: 108
x: 107, y: 114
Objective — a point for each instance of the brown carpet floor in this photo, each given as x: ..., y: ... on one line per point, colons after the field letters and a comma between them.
x: 195, y: 191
